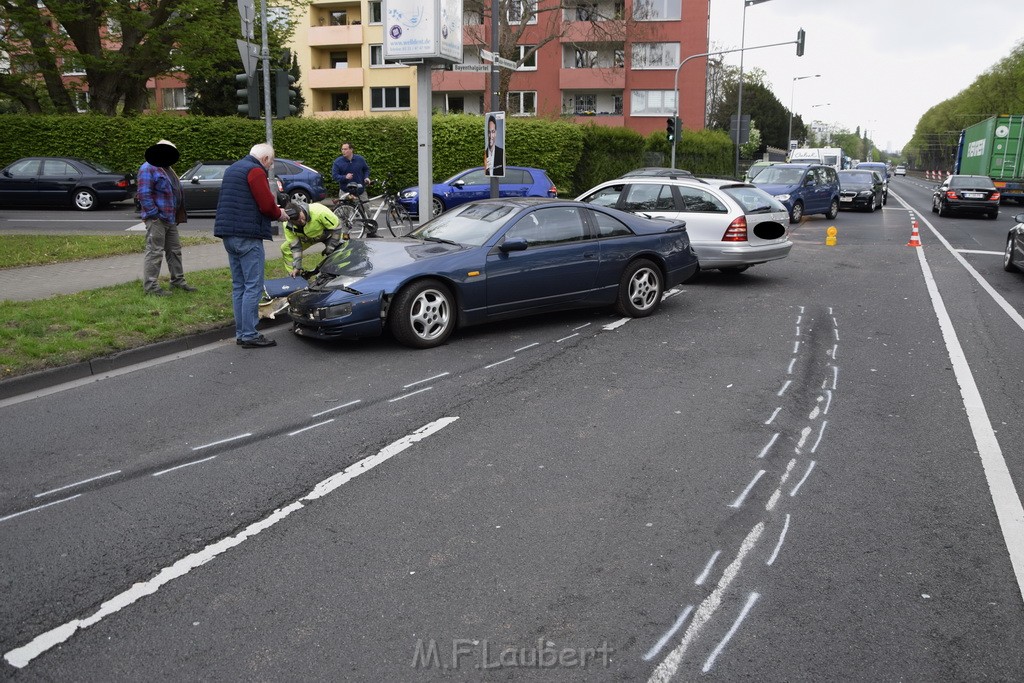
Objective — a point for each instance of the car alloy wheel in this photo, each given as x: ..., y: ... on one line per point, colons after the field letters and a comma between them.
x: 833, y: 210
x: 422, y: 315
x: 85, y: 200
x: 797, y: 213
x: 640, y: 289
x: 437, y: 206
x: 300, y: 196
x: 1008, y: 264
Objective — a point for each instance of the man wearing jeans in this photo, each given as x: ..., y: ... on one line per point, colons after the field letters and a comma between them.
x: 161, y: 206
x: 245, y: 208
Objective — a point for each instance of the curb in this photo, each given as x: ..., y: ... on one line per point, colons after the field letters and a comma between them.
x: 51, y: 377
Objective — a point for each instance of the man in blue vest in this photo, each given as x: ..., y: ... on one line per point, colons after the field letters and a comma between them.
x: 245, y: 209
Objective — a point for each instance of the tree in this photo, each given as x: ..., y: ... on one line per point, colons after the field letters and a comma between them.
x: 533, y: 23
x: 118, y: 45
x: 758, y: 102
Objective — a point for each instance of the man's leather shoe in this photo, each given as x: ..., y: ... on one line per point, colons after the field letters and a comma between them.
x: 185, y: 287
x: 157, y: 292
x: 256, y: 342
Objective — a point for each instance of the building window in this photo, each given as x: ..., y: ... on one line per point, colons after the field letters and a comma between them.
x: 389, y: 98
x: 617, y: 102
x: 174, y: 98
x: 472, y: 18
x: 339, y: 101
x: 82, y: 101
x: 619, y: 58
x: 522, y: 103
x: 527, y: 63
x: 518, y: 8
x: 584, y: 104
x: 338, y: 17
x: 376, y: 13
x: 377, y: 58
x: 655, y: 55
x: 652, y: 102
x: 657, y: 10
x: 585, y: 11
x: 339, y: 60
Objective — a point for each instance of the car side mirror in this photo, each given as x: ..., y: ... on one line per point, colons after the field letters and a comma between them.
x: 513, y: 244
x: 195, y: 180
x: 7, y: 174
x: 459, y: 184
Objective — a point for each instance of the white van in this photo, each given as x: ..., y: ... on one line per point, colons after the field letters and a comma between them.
x: 826, y: 156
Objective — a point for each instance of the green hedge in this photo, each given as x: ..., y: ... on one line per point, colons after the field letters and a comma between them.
x: 576, y: 157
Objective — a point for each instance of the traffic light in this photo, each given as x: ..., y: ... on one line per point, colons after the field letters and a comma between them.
x: 672, y: 127
x: 284, y: 94
x: 800, y: 43
x: 249, y: 94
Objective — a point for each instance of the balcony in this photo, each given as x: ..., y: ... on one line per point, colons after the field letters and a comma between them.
x: 334, y: 79
x: 334, y: 36
x: 592, y: 79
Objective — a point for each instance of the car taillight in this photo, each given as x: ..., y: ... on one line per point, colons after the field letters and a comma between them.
x: 552, y: 191
x: 994, y: 197
x: 122, y: 183
x: 737, y: 231
x: 950, y: 194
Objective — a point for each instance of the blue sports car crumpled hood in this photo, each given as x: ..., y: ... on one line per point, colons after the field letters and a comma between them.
x: 361, y: 258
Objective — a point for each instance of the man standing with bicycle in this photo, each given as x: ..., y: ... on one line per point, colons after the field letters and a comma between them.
x: 351, y: 168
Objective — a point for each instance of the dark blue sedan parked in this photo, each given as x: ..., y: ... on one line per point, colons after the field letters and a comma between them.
x: 490, y: 260
x: 472, y: 185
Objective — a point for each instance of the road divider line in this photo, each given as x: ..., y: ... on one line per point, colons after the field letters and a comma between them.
x: 39, y: 507
x: 178, y: 467
x: 411, y: 393
x: 488, y: 367
x: 699, y: 581
x: 312, y: 426
x: 20, y: 657
x: 710, y: 661
x: 222, y: 441
x: 668, y: 634
x: 800, y: 483
x: 739, y: 501
x: 429, y: 379
x: 331, y: 410
x: 778, y: 545
x: 1009, y: 510
x: 77, y: 483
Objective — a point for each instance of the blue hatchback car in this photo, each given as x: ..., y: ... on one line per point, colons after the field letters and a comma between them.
x: 803, y: 188
x: 471, y: 185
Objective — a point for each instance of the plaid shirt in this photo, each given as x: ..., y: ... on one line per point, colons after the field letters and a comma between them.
x: 159, y: 193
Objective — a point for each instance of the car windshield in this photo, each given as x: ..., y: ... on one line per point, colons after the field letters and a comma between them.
x: 971, y: 181
x: 779, y: 176
x: 856, y: 178
x: 471, y: 224
x: 754, y: 200
x: 831, y: 160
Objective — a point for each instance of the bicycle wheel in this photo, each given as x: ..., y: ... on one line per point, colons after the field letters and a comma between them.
x: 349, y: 216
x: 398, y: 219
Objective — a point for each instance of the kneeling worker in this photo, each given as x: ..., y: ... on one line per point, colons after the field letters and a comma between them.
x: 307, y: 225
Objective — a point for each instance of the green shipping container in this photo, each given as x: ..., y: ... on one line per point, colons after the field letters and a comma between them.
x: 995, y: 147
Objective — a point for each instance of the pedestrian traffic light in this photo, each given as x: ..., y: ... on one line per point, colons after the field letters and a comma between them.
x: 670, y: 128
x: 284, y: 94
x: 800, y: 43
x: 249, y: 94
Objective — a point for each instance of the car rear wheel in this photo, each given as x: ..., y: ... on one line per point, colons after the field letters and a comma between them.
x: 994, y: 215
x: 797, y: 213
x: 833, y: 210
x: 943, y: 209
x: 85, y: 199
x: 300, y: 196
x: 1008, y: 264
x: 640, y: 289
x: 422, y: 315
x: 935, y: 204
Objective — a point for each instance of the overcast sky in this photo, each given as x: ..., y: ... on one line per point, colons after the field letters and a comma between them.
x: 883, y: 63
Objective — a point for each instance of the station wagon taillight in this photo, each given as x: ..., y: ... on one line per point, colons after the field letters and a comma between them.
x: 553, y: 192
x: 994, y: 197
x: 737, y: 231
x: 122, y: 183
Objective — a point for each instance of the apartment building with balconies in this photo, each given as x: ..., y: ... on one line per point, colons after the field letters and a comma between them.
x: 609, y: 62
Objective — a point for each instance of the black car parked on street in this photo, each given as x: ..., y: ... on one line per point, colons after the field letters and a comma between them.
x: 63, y: 181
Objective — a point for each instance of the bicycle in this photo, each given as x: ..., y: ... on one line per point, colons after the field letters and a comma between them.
x: 352, y: 210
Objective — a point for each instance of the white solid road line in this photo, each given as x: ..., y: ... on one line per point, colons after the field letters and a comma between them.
x: 20, y: 657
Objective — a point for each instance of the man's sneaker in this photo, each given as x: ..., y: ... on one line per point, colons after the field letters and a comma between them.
x: 257, y: 342
x: 157, y: 292
x: 185, y: 287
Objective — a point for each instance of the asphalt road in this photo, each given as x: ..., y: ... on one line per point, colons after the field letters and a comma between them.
x: 810, y: 471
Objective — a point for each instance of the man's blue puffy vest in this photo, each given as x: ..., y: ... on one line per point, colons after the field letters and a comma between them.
x: 238, y: 215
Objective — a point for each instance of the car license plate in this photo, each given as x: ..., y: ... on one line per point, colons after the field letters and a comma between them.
x: 974, y: 195
x: 846, y: 199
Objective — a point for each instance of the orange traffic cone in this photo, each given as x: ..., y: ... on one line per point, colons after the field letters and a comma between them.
x: 915, y: 237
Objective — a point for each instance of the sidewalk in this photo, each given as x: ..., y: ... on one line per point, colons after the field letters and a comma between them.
x: 40, y: 282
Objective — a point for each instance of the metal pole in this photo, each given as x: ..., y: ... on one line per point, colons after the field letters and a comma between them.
x: 266, y: 99
x: 792, y: 100
x: 495, y: 78
x: 739, y: 97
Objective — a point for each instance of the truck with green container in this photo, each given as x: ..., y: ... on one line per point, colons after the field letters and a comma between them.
x: 995, y: 148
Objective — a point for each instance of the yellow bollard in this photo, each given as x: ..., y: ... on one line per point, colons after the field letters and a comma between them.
x: 830, y: 236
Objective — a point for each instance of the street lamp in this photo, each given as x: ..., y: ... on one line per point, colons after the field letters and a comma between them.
x: 792, y: 96
x: 739, y: 98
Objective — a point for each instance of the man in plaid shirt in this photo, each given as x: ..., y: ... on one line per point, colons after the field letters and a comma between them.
x: 161, y: 206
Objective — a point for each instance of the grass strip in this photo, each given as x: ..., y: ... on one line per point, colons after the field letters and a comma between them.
x: 36, y: 250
